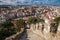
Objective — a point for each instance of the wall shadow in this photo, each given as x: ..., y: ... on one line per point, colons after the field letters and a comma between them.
x: 22, y: 36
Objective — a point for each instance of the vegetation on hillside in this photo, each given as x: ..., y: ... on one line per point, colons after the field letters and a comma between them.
x: 57, y: 19
x: 20, y: 24
x: 7, y: 28
x: 54, y: 25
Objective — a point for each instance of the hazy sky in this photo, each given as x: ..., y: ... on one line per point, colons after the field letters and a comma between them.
x: 28, y: 2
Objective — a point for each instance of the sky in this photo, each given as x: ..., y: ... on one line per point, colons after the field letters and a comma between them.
x: 30, y: 2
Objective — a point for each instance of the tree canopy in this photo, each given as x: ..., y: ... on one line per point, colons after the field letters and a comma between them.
x: 7, y: 29
x: 20, y: 23
x: 7, y: 24
x: 57, y: 19
x: 34, y: 20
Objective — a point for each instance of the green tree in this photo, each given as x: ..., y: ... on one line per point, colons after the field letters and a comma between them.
x: 54, y: 25
x: 7, y: 29
x: 57, y: 19
x: 7, y: 24
x: 32, y: 20
x: 20, y: 24
x: 41, y: 20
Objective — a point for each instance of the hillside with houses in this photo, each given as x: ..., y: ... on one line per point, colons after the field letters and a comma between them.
x: 29, y: 22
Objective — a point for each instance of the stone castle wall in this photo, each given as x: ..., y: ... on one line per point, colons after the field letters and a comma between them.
x: 44, y: 32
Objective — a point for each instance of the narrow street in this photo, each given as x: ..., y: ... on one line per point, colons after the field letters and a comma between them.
x: 29, y: 35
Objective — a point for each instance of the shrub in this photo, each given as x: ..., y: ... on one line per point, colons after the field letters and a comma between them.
x: 7, y: 29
